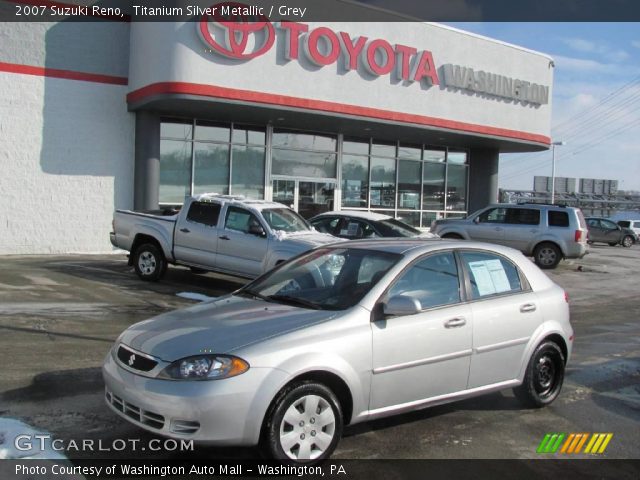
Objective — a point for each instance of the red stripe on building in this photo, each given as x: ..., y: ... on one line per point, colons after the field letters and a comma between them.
x: 181, y: 88
x: 50, y: 3
x: 66, y: 74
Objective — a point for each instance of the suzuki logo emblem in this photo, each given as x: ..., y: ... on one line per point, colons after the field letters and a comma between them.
x: 132, y: 360
x: 238, y: 33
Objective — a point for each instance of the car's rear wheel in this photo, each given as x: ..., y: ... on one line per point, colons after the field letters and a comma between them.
x: 627, y: 241
x: 544, y: 376
x: 304, y: 424
x: 149, y: 262
x: 547, y: 255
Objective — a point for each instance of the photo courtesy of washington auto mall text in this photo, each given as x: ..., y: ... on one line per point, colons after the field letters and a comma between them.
x: 50, y: 469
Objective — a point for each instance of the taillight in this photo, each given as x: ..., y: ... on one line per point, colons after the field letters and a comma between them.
x: 566, y: 296
x: 578, y: 236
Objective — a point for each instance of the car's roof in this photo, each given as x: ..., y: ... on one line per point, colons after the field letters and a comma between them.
x: 421, y: 245
x: 355, y: 214
x: 239, y: 200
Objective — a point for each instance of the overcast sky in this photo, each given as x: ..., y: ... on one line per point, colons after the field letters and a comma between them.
x: 596, y: 100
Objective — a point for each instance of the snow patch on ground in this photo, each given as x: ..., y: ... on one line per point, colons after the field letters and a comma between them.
x: 16, y: 436
x: 195, y: 296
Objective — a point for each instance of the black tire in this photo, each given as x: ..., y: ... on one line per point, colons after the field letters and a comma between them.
x: 627, y: 241
x: 149, y: 262
x: 547, y: 255
x: 453, y: 236
x: 543, y: 378
x: 302, y: 429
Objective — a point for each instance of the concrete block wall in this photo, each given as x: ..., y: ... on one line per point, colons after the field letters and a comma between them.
x: 66, y: 145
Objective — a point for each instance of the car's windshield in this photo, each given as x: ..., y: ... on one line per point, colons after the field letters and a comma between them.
x: 285, y: 220
x: 395, y: 228
x: 326, y: 279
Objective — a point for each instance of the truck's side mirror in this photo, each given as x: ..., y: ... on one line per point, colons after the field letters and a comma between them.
x: 257, y: 230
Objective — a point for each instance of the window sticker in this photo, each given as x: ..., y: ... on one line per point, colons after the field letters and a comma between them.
x: 353, y: 229
x: 490, y: 277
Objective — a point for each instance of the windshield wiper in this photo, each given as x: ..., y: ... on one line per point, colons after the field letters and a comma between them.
x: 296, y: 301
x: 253, y: 294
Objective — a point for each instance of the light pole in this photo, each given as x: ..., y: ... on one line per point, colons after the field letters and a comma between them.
x: 553, y: 169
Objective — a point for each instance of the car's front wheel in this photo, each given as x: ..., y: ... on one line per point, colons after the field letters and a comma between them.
x: 627, y: 241
x: 544, y: 376
x: 547, y: 255
x: 304, y: 424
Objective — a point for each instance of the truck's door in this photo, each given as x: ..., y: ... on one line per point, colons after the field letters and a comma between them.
x: 239, y: 250
x: 196, y: 236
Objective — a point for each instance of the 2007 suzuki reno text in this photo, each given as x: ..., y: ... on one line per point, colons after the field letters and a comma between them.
x: 340, y: 335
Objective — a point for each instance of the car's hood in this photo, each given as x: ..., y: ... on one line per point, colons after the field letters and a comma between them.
x: 306, y: 240
x: 427, y: 235
x: 220, y: 326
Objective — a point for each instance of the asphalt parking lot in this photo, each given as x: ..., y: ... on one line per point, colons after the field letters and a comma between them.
x: 60, y: 314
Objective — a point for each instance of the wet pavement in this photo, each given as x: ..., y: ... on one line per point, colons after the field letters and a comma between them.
x: 60, y: 314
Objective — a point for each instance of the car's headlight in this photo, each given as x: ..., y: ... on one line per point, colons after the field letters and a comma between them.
x: 205, y: 367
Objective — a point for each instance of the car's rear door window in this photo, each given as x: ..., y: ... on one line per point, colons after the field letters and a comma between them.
x: 523, y: 216
x: 490, y: 274
x: 558, y: 219
x: 206, y: 213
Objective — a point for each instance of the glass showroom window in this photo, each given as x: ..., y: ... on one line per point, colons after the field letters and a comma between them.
x: 298, y: 154
x: 200, y: 156
x: 355, y: 173
x: 383, y: 175
x: 457, y: 173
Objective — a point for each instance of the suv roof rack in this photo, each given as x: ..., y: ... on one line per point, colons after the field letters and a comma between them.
x: 563, y: 205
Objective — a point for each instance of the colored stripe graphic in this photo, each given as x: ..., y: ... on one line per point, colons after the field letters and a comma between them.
x: 574, y: 443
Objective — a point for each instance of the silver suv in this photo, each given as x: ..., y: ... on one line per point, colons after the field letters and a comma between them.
x: 548, y: 233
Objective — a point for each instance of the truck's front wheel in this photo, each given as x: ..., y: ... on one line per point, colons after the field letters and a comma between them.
x: 149, y: 262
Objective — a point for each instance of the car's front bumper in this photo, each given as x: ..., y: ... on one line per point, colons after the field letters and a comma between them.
x: 223, y: 412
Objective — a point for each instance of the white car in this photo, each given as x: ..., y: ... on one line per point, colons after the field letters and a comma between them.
x: 631, y: 224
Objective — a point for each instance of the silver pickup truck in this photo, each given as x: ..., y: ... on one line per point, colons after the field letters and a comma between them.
x: 212, y: 232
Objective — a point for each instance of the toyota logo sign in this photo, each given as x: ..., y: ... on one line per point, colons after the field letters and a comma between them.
x: 237, y: 34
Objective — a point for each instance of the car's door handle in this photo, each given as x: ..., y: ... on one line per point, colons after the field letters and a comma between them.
x: 455, y: 322
x: 185, y: 230
x: 224, y: 237
x: 528, y: 307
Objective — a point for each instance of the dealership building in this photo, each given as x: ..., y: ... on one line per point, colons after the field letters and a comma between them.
x: 404, y: 118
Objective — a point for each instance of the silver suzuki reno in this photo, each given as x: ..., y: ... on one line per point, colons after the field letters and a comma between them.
x: 341, y: 335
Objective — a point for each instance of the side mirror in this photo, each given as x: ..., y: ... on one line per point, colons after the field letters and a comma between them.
x: 401, y: 305
x: 476, y: 220
x: 257, y: 230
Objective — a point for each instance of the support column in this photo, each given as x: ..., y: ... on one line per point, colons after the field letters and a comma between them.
x: 483, y: 178
x: 146, y: 179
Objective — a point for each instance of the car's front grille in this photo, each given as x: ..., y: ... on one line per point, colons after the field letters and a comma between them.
x: 145, y: 417
x: 135, y: 360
